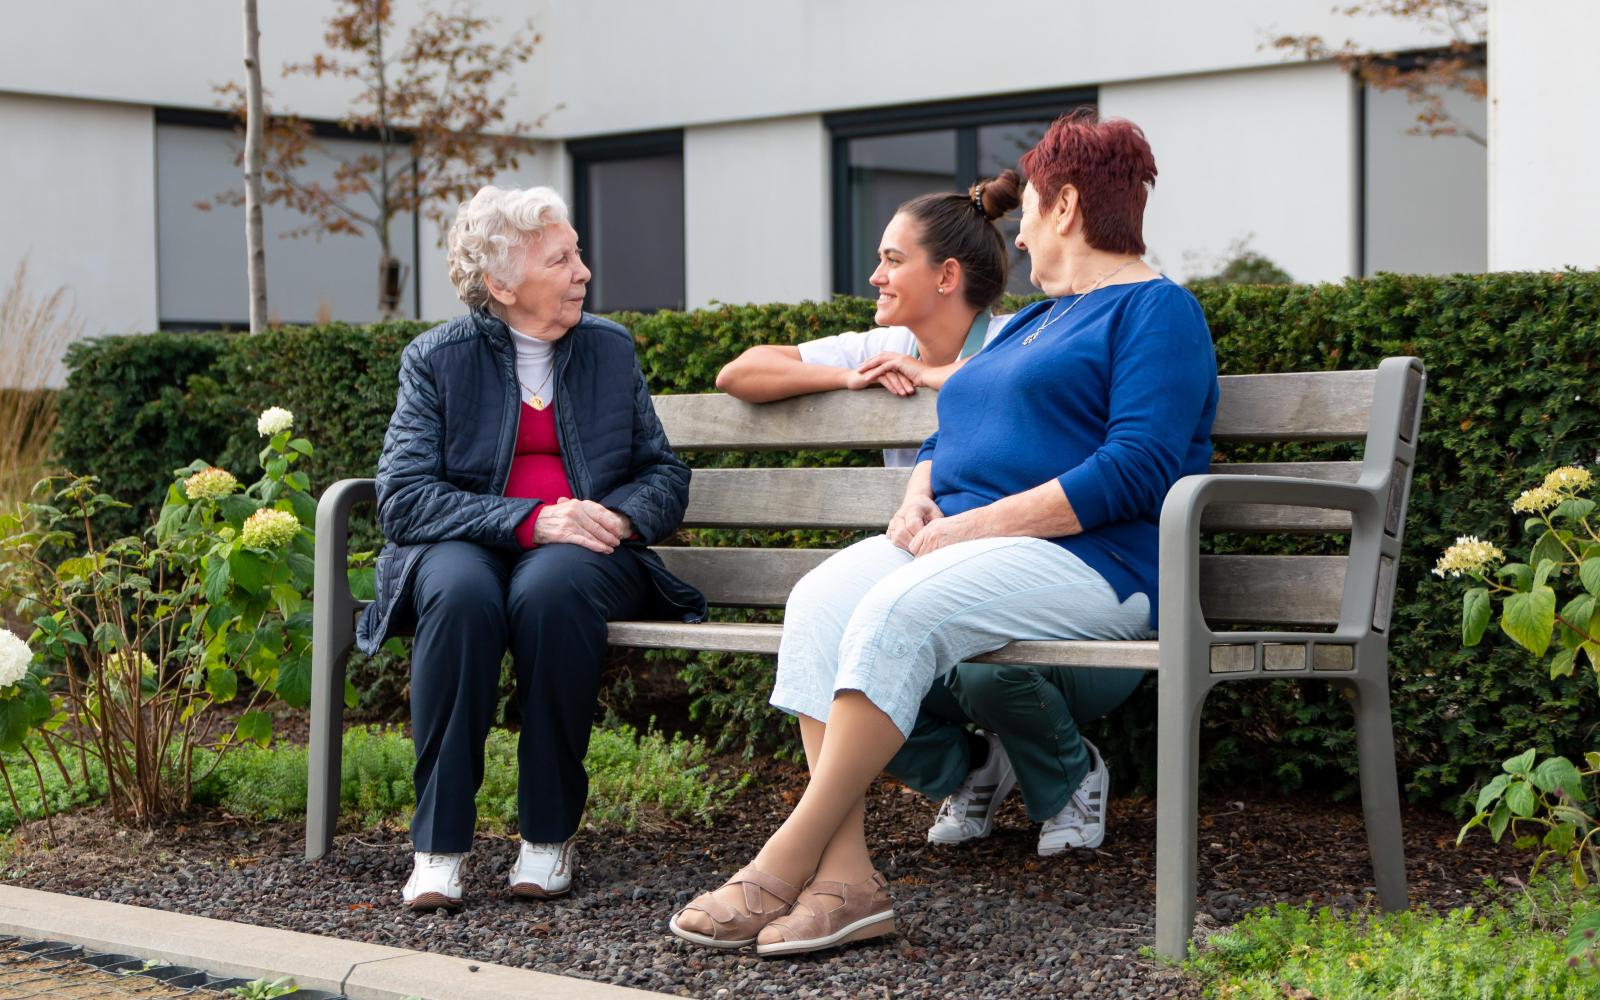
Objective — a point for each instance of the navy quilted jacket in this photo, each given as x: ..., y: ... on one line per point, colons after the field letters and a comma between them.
x: 450, y: 442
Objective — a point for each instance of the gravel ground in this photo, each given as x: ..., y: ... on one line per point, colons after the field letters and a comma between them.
x: 992, y: 920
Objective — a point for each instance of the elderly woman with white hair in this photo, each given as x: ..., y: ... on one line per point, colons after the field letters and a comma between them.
x: 523, y: 475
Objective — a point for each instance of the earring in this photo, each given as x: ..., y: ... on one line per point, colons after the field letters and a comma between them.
x: 941, y: 291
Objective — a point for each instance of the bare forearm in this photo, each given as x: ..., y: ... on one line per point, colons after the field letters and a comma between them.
x: 763, y: 374
x: 921, y: 482
x: 1042, y: 512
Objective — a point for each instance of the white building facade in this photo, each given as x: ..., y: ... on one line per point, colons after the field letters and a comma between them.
x: 723, y: 150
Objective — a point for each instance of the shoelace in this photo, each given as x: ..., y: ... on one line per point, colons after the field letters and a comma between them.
x: 956, y: 804
x: 437, y: 862
x: 1074, y: 817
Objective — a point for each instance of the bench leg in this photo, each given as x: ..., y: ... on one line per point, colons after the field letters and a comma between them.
x: 1380, y: 790
x: 1177, y: 809
x: 328, y: 656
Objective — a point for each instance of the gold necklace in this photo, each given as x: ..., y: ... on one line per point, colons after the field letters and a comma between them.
x: 535, y: 400
x: 1051, y: 317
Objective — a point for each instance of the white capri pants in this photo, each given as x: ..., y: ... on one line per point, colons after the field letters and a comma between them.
x: 875, y: 619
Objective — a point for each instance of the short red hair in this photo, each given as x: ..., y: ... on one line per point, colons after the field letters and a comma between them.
x: 1110, y: 164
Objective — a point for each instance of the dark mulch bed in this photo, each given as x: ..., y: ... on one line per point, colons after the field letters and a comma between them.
x: 988, y: 921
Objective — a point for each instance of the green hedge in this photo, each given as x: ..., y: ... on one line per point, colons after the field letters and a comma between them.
x: 1512, y: 360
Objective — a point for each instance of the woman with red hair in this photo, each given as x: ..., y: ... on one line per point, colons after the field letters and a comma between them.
x: 1031, y: 514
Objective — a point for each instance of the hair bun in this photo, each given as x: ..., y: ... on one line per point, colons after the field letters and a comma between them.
x: 997, y: 195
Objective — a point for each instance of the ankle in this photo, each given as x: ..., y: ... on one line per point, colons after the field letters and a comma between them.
x: 848, y: 872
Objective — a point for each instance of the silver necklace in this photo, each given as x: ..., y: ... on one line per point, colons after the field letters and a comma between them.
x: 1051, y: 317
x: 535, y: 400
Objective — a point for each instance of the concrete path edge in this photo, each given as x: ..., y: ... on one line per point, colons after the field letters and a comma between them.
x: 360, y: 971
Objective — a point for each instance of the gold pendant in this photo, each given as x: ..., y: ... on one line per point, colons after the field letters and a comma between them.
x: 536, y: 401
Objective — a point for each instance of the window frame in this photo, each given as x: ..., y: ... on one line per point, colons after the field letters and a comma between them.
x: 964, y: 116
x: 583, y: 153
x: 320, y: 129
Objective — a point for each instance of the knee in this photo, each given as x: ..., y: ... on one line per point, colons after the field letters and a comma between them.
x: 565, y: 598
x: 473, y: 600
x: 986, y: 691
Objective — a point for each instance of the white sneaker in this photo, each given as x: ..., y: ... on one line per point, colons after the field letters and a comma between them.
x: 543, y: 871
x: 435, y: 882
x: 968, y: 813
x: 1082, y: 821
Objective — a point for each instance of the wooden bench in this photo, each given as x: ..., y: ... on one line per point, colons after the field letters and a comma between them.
x: 1330, y: 614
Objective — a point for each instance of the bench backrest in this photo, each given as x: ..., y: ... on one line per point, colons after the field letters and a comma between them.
x: 1378, y: 406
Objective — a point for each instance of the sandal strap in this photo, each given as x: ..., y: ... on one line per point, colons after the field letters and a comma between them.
x: 752, y: 877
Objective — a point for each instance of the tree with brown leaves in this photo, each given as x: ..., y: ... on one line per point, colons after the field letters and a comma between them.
x: 1422, y: 76
x: 434, y: 105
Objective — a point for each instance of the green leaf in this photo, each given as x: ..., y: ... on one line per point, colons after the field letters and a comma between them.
x: 1559, y: 773
x: 1584, y: 933
x: 254, y: 727
x: 1521, y: 799
x: 297, y: 481
x: 222, y: 684
x: 1499, y: 820
x: 1568, y: 814
x: 1580, y: 878
x: 1520, y: 764
x: 219, y: 578
x: 1573, y: 510
x: 305, y: 508
x: 1520, y: 575
x: 1541, y: 575
x: 13, y: 723
x: 1474, y: 821
x: 236, y: 508
x: 276, y: 467
x: 77, y: 568
x: 1592, y: 649
x: 301, y: 445
x: 1475, y: 611
x: 1491, y: 792
x: 362, y: 586
x: 1528, y: 619
x: 1589, y: 574
x: 1548, y: 547
x: 249, y: 570
x: 1561, y: 663
x: 303, y: 568
x: 1576, y: 614
x: 1592, y: 760
x: 350, y: 697
x: 294, y: 680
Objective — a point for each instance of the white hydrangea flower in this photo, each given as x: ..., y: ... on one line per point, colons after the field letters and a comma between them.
x: 1468, y: 555
x: 14, y: 658
x: 211, y: 483
x: 1536, y: 501
x: 1568, y: 479
x: 269, y: 529
x: 274, y: 420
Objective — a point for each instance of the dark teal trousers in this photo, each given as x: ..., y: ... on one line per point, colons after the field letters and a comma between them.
x: 1035, y: 711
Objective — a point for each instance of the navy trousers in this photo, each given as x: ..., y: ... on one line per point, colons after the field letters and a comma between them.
x: 547, y: 606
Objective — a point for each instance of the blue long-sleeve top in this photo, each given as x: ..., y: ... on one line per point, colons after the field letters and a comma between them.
x: 1113, y: 400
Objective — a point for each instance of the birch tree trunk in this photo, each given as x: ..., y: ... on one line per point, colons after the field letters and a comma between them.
x: 256, y: 253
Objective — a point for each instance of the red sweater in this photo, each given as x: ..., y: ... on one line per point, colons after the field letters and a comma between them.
x: 536, y: 470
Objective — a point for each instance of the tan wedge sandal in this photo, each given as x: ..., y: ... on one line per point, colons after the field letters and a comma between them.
x: 731, y: 928
x: 831, y: 913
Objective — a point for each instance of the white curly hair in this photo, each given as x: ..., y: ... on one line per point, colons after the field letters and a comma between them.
x: 492, y: 232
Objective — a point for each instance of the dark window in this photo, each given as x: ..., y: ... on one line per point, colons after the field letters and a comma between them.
x: 883, y: 157
x: 200, y: 255
x: 628, y: 211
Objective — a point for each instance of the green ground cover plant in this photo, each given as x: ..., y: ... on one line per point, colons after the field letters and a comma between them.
x: 1512, y: 363
x: 1513, y: 947
x: 635, y: 780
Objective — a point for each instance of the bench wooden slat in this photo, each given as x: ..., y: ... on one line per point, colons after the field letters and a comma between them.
x: 1307, y: 406
x: 1286, y: 590
x: 866, y: 497
x: 728, y: 637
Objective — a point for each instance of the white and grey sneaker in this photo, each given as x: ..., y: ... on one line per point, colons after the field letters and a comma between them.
x: 968, y: 813
x: 435, y: 882
x: 543, y: 871
x: 1082, y: 821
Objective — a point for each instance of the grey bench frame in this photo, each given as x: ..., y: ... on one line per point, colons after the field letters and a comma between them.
x: 1332, y: 611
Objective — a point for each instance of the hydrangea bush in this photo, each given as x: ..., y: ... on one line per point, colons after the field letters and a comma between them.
x: 137, y: 639
x: 1548, y: 606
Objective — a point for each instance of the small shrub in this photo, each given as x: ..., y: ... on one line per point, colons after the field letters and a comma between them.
x: 634, y: 780
x: 1509, y: 949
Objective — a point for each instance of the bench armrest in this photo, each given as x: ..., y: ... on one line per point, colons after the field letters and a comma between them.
x: 1181, y: 617
x: 333, y: 603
